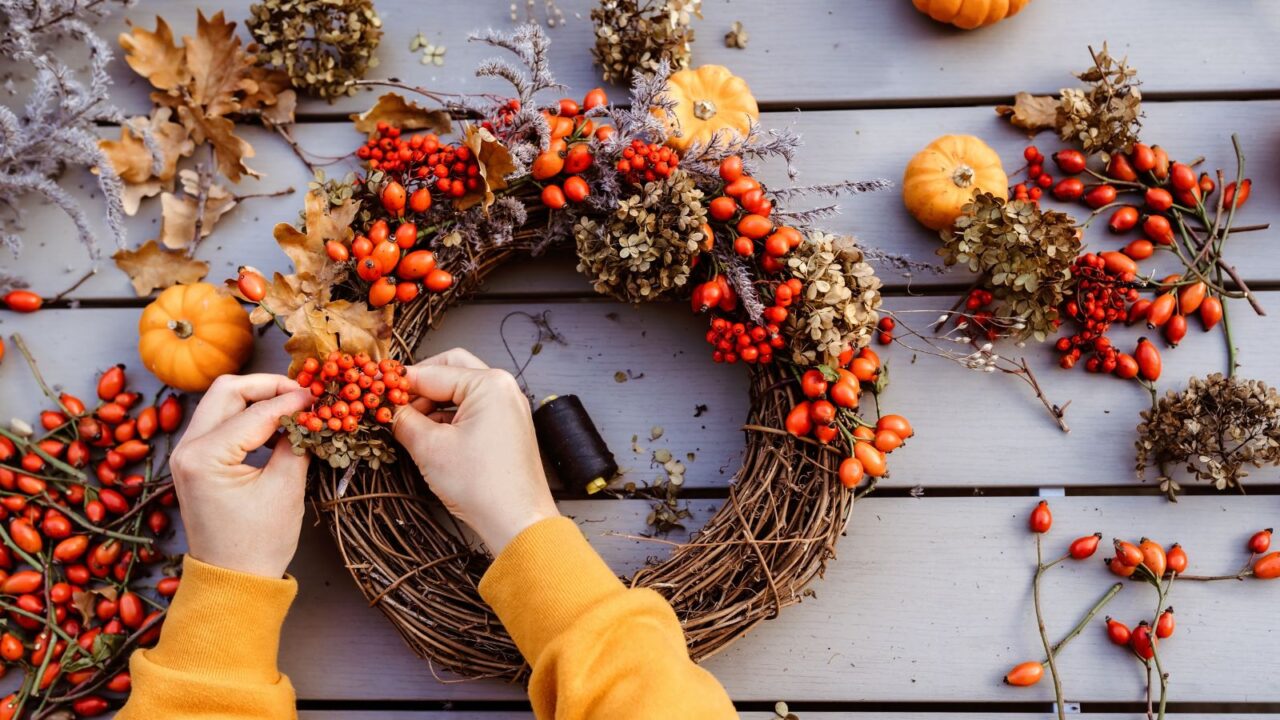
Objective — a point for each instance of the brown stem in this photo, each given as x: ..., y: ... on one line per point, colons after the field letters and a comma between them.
x: 250, y: 196
x: 1057, y: 412
x: 1044, y: 633
x: 75, y: 286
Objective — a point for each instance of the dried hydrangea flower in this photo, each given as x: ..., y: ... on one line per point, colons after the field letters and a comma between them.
x: 321, y: 44
x: 837, y: 309
x: 1107, y: 116
x: 644, y: 248
x: 1023, y: 253
x: 638, y: 35
x: 1213, y: 428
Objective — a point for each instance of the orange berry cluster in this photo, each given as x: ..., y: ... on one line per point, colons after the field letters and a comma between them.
x: 452, y: 169
x: 388, y: 262
x: 643, y: 162
x: 745, y: 209
x: 349, y: 388
x: 569, y: 154
x: 734, y: 341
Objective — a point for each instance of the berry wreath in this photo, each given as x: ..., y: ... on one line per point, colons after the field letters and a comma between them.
x: 659, y: 200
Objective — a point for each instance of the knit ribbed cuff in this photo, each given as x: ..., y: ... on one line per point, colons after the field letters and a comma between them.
x: 544, y: 580
x: 225, y: 623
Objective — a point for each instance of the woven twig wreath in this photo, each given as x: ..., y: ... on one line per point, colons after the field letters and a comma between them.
x: 774, y: 533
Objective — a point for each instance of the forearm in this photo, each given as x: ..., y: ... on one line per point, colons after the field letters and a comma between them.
x: 598, y: 649
x: 217, y: 651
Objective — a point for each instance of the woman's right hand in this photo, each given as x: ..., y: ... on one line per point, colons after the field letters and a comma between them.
x: 470, y: 431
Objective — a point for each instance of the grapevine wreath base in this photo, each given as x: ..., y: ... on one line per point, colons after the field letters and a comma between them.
x: 774, y: 533
x: 649, y: 195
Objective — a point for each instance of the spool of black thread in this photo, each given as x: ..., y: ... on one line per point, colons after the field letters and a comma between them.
x: 572, y: 443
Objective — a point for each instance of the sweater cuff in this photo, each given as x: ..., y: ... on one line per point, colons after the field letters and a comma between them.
x: 225, y: 623
x: 544, y: 580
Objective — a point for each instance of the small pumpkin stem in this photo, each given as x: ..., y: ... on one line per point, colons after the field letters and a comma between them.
x: 963, y: 176
x: 704, y: 109
x: 181, y: 328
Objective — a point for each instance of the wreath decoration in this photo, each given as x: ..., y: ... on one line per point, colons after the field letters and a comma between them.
x: 380, y: 257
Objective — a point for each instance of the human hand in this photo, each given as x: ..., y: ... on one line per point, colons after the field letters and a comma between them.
x: 481, y: 459
x: 238, y: 516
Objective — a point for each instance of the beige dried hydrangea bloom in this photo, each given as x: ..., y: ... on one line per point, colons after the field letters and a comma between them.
x: 321, y: 44
x: 639, y: 34
x: 837, y: 309
x: 644, y: 248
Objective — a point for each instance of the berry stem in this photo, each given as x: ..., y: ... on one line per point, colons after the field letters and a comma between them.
x: 1044, y: 633
x: 1084, y: 621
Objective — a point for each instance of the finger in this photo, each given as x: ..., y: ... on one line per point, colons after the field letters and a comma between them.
x: 286, y: 465
x: 247, y: 431
x: 411, y: 428
x: 445, y: 383
x: 442, y: 416
x: 456, y: 357
x: 230, y: 394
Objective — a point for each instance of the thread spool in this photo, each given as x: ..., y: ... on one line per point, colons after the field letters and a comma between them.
x: 572, y: 443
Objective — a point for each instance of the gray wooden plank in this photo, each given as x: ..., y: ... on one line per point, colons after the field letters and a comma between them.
x: 854, y: 52
x: 665, y: 344
x: 838, y: 145
x: 929, y: 601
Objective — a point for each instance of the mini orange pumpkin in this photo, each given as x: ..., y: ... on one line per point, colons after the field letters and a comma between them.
x: 708, y: 99
x: 942, y: 178
x: 970, y: 14
x: 191, y: 334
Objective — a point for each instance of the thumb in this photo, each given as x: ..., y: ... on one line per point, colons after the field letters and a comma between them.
x: 413, y: 429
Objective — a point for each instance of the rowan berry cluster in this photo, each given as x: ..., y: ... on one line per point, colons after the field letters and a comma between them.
x: 74, y: 553
x: 350, y: 392
x: 643, y: 162
x: 452, y: 170
x: 734, y: 341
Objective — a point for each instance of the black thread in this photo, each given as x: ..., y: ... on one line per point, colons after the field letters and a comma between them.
x: 573, y: 445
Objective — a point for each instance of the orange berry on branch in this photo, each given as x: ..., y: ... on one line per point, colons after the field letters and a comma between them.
x: 553, y: 197
x: 438, y: 280
x: 576, y: 189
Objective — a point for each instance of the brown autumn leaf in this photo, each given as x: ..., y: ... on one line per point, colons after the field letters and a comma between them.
x: 495, y: 164
x: 229, y: 149
x: 133, y: 161
x: 219, y: 66
x: 324, y: 222
x: 404, y: 114
x: 1031, y: 112
x: 151, y: 267
x: 154, y: 56
x: 282, y: 111
x: 271, y: 88
x: 178, y: 215
x: 285, y: 295
x: 316, y: 330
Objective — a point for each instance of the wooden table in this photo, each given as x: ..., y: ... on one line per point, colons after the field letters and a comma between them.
x: 929, y: 601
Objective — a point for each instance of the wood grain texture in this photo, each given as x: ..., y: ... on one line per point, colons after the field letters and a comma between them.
x: 662, y: 348
x: 820, y: 52
x: 929, y: 600
x: 838, y: 145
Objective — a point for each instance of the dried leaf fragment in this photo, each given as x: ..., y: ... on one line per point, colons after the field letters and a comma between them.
x: 394, y: 110
x: 1031, y: 112
x: 151, y: 268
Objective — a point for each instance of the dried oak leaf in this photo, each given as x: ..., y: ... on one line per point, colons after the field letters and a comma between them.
x: 133, y: 161
x: 324, y: 222
x: 316, y: 330
x: 151, y: 267
x: 495, y: 164
x: 178, y: 215
x: 154, y: 56
x: 285, y: 295
x: 218, y: 64
x: 229, y: 149
x: 1031, y: 112
x: 404, y: 114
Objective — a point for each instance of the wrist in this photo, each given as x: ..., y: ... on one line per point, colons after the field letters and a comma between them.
x: 501, y: 531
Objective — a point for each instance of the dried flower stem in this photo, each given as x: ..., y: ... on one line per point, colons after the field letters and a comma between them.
x: 1044, y: 633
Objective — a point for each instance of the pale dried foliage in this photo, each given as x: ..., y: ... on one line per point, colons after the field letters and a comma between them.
x: 1214, y: 429
x: 1023, y: 255
x: 638, y: 36
x: 56, y: 127
x: 644, y: 248
x: 321, y: 44
x: 1106, y: 116
x: 837, y: 310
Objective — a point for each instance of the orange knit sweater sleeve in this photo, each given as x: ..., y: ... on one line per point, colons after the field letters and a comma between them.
x: 597, y: 649
x: 216, y: 658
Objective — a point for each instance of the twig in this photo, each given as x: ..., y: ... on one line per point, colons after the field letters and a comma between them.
x: 1044, y: 633
x: 76, y: 285
x: 1088, y: 617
